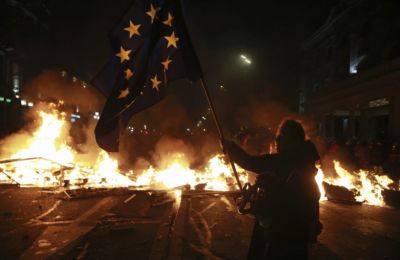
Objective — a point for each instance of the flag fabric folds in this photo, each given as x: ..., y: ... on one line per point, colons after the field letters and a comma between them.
x: 151, y: 48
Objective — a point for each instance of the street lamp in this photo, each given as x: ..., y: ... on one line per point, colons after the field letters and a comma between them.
x: 245, y: 59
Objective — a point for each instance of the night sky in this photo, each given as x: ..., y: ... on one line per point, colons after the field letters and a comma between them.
x: 72, y: 35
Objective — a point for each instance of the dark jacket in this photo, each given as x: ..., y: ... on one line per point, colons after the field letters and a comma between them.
x: 296, y: 193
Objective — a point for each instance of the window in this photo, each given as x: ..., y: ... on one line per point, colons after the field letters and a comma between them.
x: 378, y: 102
x: 16, y: 84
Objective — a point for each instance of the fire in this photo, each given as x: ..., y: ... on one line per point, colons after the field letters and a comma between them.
x: 216, y: 175
x: 366, y: 186
x: 44, y: 159
x: 47, y: 141
x: 31, y: 173
x: 319, y: 178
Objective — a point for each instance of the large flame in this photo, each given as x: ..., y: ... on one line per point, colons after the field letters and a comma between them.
x: 47, y: 141
x: 216, y: 175
x: 367, y: 186
x: 45, y: 159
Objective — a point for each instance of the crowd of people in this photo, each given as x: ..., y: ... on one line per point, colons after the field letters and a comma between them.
x: 380, y: 157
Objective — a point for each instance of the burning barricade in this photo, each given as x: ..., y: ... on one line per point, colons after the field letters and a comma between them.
x: 43, y: 158
x: 183, y: 204
x: 359, y: 187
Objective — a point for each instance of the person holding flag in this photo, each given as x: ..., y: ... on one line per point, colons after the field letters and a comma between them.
x: 288, y: 206
x: 151, y: 48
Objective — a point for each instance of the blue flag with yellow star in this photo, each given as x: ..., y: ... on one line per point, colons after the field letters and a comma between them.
x: 152, y: 48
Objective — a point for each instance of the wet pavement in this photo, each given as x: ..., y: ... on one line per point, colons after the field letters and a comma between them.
x: 127, y: 224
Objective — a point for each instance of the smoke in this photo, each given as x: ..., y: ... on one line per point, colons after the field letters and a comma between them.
x: 168, y: 147
x: 169, y: 116
x: 170, y: 150
x: 170, y: 119
x: 88, y: 148
x: 162, y: 132
x: 166, y: 124
x: 258, y: 119
x: 8, y: 145
x: 262, y: 114
x: 51, y: 85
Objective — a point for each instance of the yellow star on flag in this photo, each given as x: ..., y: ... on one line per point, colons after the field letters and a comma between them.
x: 172, y: 40
x: 166, y: 63
x: 123, y: 93
x: 128, y: 74
x: 155, y: 82
x: 169, y: 20
x: 123, y: 54
x: 152, y: 13
x: 132, y: 29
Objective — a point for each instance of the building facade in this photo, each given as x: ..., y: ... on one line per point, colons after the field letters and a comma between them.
x: 10, y: 87
x: 351, y: 72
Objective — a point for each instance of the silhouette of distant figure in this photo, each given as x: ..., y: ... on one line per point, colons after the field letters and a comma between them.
x: 292, y: 215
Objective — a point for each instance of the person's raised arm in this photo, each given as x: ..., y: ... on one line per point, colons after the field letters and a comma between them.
x: 254, y: 163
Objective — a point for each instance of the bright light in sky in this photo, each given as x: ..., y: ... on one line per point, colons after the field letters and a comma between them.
x: 245, y: 59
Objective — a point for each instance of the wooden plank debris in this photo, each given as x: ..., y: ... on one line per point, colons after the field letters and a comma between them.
x: 208, y: 227
x: 61, y: 237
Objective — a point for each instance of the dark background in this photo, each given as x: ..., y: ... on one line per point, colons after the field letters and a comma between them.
x: 72, y: 35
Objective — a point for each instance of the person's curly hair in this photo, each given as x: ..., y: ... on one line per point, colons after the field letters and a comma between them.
x: 292, y: 129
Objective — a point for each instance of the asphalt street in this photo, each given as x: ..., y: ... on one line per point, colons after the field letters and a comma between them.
x: 358, y: 232
x: 129, y: 224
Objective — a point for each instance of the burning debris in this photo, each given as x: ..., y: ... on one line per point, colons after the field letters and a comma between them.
x: 168, y: 208
x: 43, y: 158
x: 359, y: 186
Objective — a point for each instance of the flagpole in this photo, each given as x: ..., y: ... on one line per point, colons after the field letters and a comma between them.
x: 220, y: 132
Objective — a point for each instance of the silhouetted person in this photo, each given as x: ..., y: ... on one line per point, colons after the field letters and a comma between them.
x: 292, y: 220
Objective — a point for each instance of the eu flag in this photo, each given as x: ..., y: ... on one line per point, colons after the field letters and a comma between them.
x: 152, y: 48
